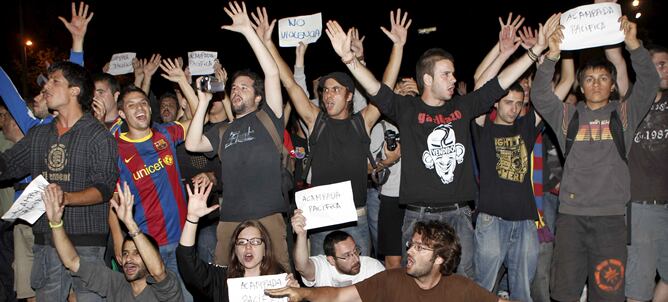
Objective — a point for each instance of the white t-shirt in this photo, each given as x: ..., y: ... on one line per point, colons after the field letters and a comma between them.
x: 391, y: 187
x: 327, y: 275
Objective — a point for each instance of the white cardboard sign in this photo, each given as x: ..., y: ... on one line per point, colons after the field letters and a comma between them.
x: 29, y: 206
x: 201, y: 62
x: 327, y: 205
x: 121, y: 63
x: 251, y: 289
x: 293, y: 30
x: 591, y: 25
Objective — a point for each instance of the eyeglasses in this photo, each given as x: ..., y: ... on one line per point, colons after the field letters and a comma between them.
x: 349, y: 256
x: 252, y: 241
x: 419, y: 247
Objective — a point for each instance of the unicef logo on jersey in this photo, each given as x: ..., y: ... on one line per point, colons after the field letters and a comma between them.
x: 167, y: 160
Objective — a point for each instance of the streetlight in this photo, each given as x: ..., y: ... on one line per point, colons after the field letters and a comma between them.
x: 28, y: 43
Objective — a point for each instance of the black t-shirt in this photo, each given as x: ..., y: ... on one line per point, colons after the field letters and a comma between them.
x: 435, y: 143
x: 251, y: 171
x: 340, y: 154
x: 504, y: 157
x: 300, y: 152
x: 647, y: 158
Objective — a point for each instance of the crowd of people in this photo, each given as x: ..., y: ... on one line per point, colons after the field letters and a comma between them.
x: 533, y: 186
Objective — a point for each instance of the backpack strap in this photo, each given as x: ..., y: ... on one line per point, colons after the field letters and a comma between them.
x: 572, y: 131
x: 273, y: 132
x: 617, y: 131
x: 311, y: 140
x: 358, y: 124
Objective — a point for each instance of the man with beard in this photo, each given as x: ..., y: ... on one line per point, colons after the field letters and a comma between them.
x: 141, y: 280
x: 341, y: 265
x: 433, y: 255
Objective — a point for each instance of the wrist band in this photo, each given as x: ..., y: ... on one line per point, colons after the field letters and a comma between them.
x: 135, y: 234
x: 193, y: 222
x: 349, y: 61
x: 532, y: 55
x: 554, y: 59
x: 55, y: 226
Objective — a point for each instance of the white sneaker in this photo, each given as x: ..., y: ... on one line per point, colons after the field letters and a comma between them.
x: 503, y: 295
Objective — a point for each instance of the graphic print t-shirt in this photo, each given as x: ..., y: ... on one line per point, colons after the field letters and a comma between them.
x: 504, y: 157
x: 435, y: 143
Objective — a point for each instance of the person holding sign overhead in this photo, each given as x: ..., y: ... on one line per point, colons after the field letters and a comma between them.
x: 341, y: 265
x: 595, y: 139
x: 250, y: 252
x: 144, y: 276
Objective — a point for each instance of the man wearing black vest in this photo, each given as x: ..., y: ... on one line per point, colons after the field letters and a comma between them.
x: 591, y: 241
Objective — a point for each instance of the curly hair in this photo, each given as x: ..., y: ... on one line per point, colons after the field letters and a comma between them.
x: 443, y: 239
x: 268, y: 266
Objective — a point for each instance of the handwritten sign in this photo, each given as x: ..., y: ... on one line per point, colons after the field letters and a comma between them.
x: 29, y: 206
x: 121, y: 63
x: 201, y: 62
x: 327, y: 205
x: 293, y: 30
x: 251, y: 289
x: 591, y: 25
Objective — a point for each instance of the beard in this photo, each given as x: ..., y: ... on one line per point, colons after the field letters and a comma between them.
x: 142, y: 272
x: 418, y: 271
x: 354, y: 270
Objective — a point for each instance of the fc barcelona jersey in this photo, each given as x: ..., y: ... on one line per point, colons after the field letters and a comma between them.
x: 149, y: 166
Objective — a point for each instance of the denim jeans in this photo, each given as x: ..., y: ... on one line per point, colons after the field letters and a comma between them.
x: 359, y: 231
x: 168, y: 254
x: 459, y: 219
x: 206, y: 242
x: 52, y: 281
x: 372, y: 210
x: 513, y: 242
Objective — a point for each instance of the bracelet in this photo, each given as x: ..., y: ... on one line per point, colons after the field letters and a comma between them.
x: 554, y: 59
x: 135, y: 234
x: 349, y: 61
x: 55, y: 226
x: 532, y: 55
x: 360, y: 58
x: 193, y: 222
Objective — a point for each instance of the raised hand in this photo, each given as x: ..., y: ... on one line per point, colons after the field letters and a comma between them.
x: 508, y: 41
x: 197, y: 201
x: 78, y: 25
x: 298, y: 222
x: 105, y: 68
x: 53, y: 202
x: 399, y: 30
x: 554, y: 43
x: 202, y: 96
x: 152, y: 65
x: 357, y: 44
x: 300, y: 54
x: 124, y: 205
x: 173, y: 71
x: 461, y: 88
x: 261, y: 24
x: 528, y: 37
x: 341, y: 42
x: 220, y: 72
x: 240, y: 21
x: 545, y: 31
x: 630, y: 32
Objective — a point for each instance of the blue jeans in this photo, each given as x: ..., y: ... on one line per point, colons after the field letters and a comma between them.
x: 168, y: 254
x: 459, y: 219
x: 359, y: 231
x: 206, y: 243
x: 372, y: 210
x: 513, y: 242
x: 52, y: 281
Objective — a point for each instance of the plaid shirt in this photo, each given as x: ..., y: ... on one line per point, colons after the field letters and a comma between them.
x: 83, y: 157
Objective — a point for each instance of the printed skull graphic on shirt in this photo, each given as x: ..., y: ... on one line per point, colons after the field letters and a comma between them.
x: 443, y: 152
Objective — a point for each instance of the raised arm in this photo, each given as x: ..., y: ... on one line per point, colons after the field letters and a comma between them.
x: 299, y: 73
x: 272, y: 83
x: 149, y: 69
x: 511, y: 73
x: 221, y: 75
x: 563, y: 88
x: 341, y: 42
x: 196, y: 141
x: 174, y: 72
x: 77, y: 27
x: 303, y: 264
x: 306, y: 110
x: 151, y: 256
x: 53, y: 202
x: 508, y: 43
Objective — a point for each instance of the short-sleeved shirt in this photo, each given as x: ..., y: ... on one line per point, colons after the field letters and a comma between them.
x: 150, y: 167
x: 111, y: 284
x: 397, y: 285
x: 327, y: 275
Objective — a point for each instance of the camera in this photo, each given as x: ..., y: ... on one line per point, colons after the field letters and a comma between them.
x: 391, y: 139
x: 211, y: 84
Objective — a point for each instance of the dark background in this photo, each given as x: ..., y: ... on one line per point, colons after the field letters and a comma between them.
x: 468, y: 29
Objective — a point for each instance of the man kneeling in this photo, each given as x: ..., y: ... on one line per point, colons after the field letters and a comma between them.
x: 136, y: 285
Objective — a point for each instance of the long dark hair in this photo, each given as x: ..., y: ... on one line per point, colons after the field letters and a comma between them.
x: 268, y: 266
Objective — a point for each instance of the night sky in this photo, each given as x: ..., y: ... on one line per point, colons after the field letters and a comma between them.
x: 468, y: 30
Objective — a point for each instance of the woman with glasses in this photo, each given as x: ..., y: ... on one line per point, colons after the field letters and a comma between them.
x: 250, y: 253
